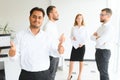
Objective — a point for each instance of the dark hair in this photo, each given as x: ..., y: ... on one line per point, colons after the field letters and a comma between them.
x: 37, y: 9
x: 108, y: 10
x: 49, y: 9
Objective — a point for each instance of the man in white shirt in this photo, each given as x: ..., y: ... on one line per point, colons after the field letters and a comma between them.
x: 32, y: 46
x: 103, y: 38
x: 51, y: 28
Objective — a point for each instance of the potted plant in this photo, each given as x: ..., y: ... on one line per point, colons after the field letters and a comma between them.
x: 5, y: 30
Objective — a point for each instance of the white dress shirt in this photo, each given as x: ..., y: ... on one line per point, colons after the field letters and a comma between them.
x: 33, y: 50
x: 51, y: 29
x: 80, y: 34
x: 105, y: 34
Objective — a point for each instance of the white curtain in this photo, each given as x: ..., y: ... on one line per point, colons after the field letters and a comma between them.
x: 115, y: 58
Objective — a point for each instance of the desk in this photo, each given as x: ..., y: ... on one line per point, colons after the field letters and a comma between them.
x: 12, y: 69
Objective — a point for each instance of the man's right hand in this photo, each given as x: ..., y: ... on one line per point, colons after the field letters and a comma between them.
x: 60, y: 48
x: 12, y: 50
x: 74, y: 38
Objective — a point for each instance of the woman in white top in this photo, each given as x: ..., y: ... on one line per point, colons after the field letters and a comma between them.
x: 78, y: 36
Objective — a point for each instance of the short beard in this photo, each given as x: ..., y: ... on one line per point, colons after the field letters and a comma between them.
x: 35, y: 27
x: 102, y: 21
x: 56, y: 19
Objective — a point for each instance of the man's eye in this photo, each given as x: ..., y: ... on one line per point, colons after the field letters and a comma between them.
x: 34, y: 16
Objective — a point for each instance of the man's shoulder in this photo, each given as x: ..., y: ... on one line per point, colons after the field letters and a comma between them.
x: 46, y: 26
x: 49, y: 23
x: 49, y: 27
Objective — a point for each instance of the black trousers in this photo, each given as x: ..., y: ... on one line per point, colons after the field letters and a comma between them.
x: 53, y: 67
x: 102, y: 57
x: 2, y: 75
x: 41, y: 75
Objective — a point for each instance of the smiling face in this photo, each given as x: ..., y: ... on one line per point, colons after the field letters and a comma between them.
x: 36, y: 19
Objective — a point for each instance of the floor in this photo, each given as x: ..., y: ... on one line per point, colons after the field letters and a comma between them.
x: 90, y: 71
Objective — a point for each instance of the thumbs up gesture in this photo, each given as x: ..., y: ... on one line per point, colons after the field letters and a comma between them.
x: 12, y: 50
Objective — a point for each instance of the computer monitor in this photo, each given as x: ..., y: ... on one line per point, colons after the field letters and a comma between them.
x: 4, y: 41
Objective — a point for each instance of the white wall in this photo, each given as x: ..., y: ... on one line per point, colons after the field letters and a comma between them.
x: 16, y: 12
x: 68, y: 10
x: 91, y: 10
x: 115, y: 58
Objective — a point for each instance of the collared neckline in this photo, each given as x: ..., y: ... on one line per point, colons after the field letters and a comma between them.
x: 29, y: 30
x: 52, y: 21
x: 107, y: 23
x: 79, y: 27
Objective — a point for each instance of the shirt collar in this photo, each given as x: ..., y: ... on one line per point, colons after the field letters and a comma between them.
x: 29, y: 30
x: 107, y: 23
x: 52, y: 22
